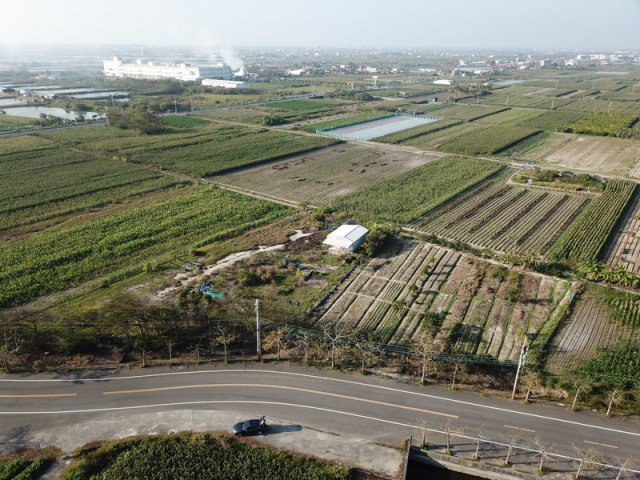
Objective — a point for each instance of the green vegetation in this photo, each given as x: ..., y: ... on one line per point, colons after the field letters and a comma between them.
x: 208, y: 149
x: 623, y: 307
x: 341, y: 122
x: 553, y: 121
x: 553, y: 178
x: 618, y: 366
x: 300, y: 105
x: 196, y: 456
x: 185, y: 122
x: 54, y: 261
x: 488, y: 140
x: 74, y: 181
x: 607, y: 124
x: 468, y: 113
x: 586, y: 236
x: 412, y: 194
x: 410, y: 133
x: 25, y: 470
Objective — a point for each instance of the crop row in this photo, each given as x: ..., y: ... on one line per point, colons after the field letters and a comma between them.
x: 478, y: 205
x: 603, y: 124
x: 341, y: 122
x: 523, y: 211
x: 410, y: 133
x: 487, y: 141
x: 457, y: 202
x: 553, y: 121
x: 495, y: 211
x: 589, y: 105
x: 552, y: 210
x: 588, y: 234
x: 56, y: 260
x: 413, y: 194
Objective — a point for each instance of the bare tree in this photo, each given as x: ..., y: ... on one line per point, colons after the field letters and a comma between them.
x: 224, y: 335
x: 11, y: 344
x: 531, y: 379
x: 334, y: 334
x: 366, y: 343
x: 304, y: 344
x: 511, y: 439
x: 450, y: 431
x: 588, y: 459
x: 543, y: 450
x: 425, y: 349
x: 275, y: 338
x: 624, y: 466
x: 614, y: 397
x: 579, y: 384
x: 424, y: 427
x: 480, y: 436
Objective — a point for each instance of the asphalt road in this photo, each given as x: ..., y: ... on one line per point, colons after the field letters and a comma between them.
x: 384, y: 410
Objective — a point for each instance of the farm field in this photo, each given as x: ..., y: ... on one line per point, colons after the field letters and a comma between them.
x: 411, y: 195
x: 511, y: 116
x: 57, y: 260
x: 201, y: 150
x: 585, y: 238
x: 487, y: 141
x: 432, y: 140
x: 320, y: 176
x: 481, y: 316
x: 624, y: 247
x: 615, y: 156
x: 504, y: 217
x: 589, y: 327
x: 345, y: 120
x: 74, y: 181
x: 537, y: 147
x: 380, y: 127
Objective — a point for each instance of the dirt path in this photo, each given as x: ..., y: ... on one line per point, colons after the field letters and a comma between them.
x: 184, y: 278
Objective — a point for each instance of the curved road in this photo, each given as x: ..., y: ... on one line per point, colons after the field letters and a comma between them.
x: 384, y: 410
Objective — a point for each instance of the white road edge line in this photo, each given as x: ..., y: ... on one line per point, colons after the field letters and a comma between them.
x: 426, y: 395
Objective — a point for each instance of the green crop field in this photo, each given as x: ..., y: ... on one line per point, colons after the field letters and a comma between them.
x: 487, y: 141
x: 206, y: 149
x: 468, y: 113
x: 553, y: 121
x: 300, y: 105
x: 410, y: 133
x: 410, y: 195
x: 609, y: 124
x: 56, y: 260
x: 589, y: 105
x: 512, y: 116
x: 586, y: 237
x: 340, y: 122
x: 41, y: 180
x: 191, y: 456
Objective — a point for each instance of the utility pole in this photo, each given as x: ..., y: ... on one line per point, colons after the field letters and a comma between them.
x: 258, y: 349
x: 175, y: 105
x: 523, y: 357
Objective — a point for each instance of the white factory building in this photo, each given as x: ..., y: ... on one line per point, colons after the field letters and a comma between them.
x: 215, y: 83
x: 179, y: 71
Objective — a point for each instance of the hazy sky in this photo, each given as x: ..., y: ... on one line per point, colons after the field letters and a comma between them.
x: 561, y: 24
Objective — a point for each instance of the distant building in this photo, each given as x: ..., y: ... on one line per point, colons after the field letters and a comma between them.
x: 347, y: 237
x: 179, y: 71
x: 212, y: 82
x: 443, y: 82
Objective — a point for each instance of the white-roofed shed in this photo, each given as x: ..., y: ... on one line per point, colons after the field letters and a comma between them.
x: 347, y: 237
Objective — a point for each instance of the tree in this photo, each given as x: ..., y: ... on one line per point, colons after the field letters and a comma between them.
x: 543, y: 451
x: 425, y: 348
x: 450, y: 431
x: 334, y: 333
x: 614, y: 397
x: 366, y: 343
x: 579, y: 384
x: 224, y: 335
x: 511, y: 439
x: 588, y: 459
x: 531, y: 379
x: 275, y: 339
x: 11, y: 345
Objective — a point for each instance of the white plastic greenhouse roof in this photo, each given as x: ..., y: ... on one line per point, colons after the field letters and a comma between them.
x: 347, y: 237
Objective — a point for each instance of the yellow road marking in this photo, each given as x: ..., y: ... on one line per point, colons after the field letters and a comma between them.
x: 160, y: 389
x: 518, y: 428
x: 40, y: 396
x: 601, y: 444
